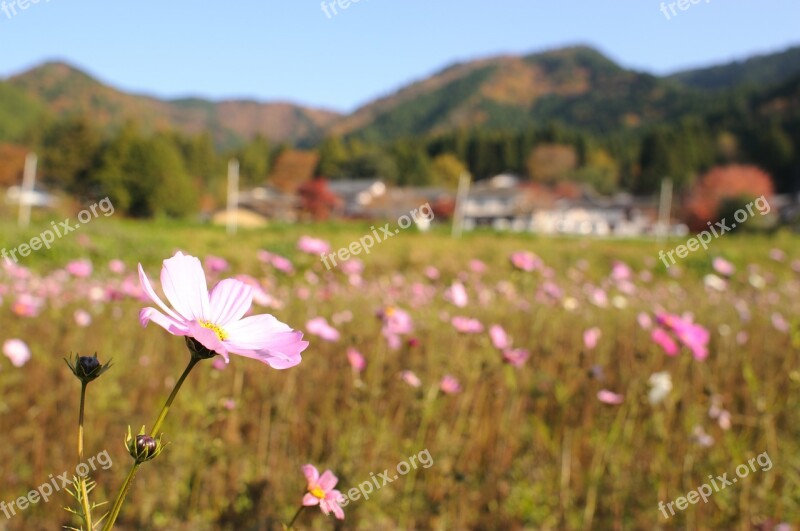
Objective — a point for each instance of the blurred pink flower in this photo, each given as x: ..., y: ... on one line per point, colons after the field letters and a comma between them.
x: 476, y: 266
x: 310, y: 245
x: 27, y: 305
x: 354, y: 266
x: 79, y: 268
x: 608, y: 397
x: 82, y: 318
x: 723, y: 267
x: 466, y: 325
x: 410, y: 378
x: 693, y: 336
x: 516, y: 357
x: 499, y: 338
x: 432, y: 273
x: 17, y: 351
x: 215, y: 320
x: 320, y: 328
x: 621, y: 271
x: 777, y: 254
x: 665, y: 341
x: 449, y: 385
x: 321, y: 491
x: 215, y: 264
x: 356, y: 360
x: 396, y: 322
x: 525, y: 261
x: 591, y: 337
x: 780, y: 324
x: 457, y: 295
x: 116, y: 266
x: 278, y: 262
x: 644, y: 320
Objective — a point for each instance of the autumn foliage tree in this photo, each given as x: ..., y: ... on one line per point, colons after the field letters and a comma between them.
x: 722, y: 186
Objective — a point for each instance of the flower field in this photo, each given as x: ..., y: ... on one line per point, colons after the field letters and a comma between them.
x: 524, y: 383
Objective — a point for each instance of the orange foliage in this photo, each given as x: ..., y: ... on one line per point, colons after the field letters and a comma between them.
x: 721, y: 183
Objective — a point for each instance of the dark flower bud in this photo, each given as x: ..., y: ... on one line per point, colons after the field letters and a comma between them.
x: 143, y: 447
x: 87, y: 368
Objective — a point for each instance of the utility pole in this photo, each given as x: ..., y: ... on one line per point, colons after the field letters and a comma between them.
x: 26, y: 192
x: 664, y: 208
x: 233, y: 195
x: 462, y: 196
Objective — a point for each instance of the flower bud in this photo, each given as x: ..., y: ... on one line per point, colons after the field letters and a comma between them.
x: 87, y: 368
x: 143, y: 447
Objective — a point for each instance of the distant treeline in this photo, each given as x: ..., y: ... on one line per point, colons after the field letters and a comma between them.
x: 174, y: 174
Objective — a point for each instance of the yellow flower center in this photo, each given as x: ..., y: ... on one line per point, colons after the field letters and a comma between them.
x: 217, y: 330
x: 318, y: 493
x: 389, y: 311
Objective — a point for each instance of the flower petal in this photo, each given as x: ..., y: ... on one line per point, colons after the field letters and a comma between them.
x: 184, y: 284
x: 309, y: 500
x: 153, y: 296
x: 166, y: 322
x: 311, y: 473
x: 327, y: 481
x: 230, y: 300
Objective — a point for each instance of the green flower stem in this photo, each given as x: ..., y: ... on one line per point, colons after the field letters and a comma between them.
x: 296, y: 515
x: 87, y: 511
x: 115, y: 510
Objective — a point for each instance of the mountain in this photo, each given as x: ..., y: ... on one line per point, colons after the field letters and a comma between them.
x: 576, y: 86
x: 63, y: 90
x: 760, y: 70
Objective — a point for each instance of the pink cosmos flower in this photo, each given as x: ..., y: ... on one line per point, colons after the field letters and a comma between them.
x: 465, y: 325
x: 516, y: 357
x: 215, y: 264
x: 320, y: 328
x: 665, y: 341
x: 321, y: 491
x: 525, y: 261
x: 692, y: 335
x: 354, y: 266
x: 310, y: 245
x: 608, y: 397
x: 216, y: 320
x: 432, y: 273
x: 457, y: 294
x: 591, y: 337
x: 82, y: 318
x: 17, y: 351
x: 79, y: 268
x: 723, y: 267
x: 396, y: 322
x: 476, y: 266
x: 356, y: 360
x: 278, y: 262
x: 644, y: 320
x: 410, y: 378
x: 449, y: 385
x: 499, y: 337
x: 116, y: 266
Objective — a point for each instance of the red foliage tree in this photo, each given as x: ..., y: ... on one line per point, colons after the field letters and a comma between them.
x: 317, y: 199
x: 722, y: 183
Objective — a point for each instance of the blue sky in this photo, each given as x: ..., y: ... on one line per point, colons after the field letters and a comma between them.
x: 290, y: 50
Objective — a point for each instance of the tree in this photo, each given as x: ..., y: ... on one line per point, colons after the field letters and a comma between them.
x: 447, y: 170
x: 723, y: 187
x: 550, y: 163
x: 71, y: 148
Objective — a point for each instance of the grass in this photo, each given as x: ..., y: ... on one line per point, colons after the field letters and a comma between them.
x: 529, y: 448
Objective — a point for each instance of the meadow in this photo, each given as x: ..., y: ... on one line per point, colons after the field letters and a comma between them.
x: 556, y: 424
